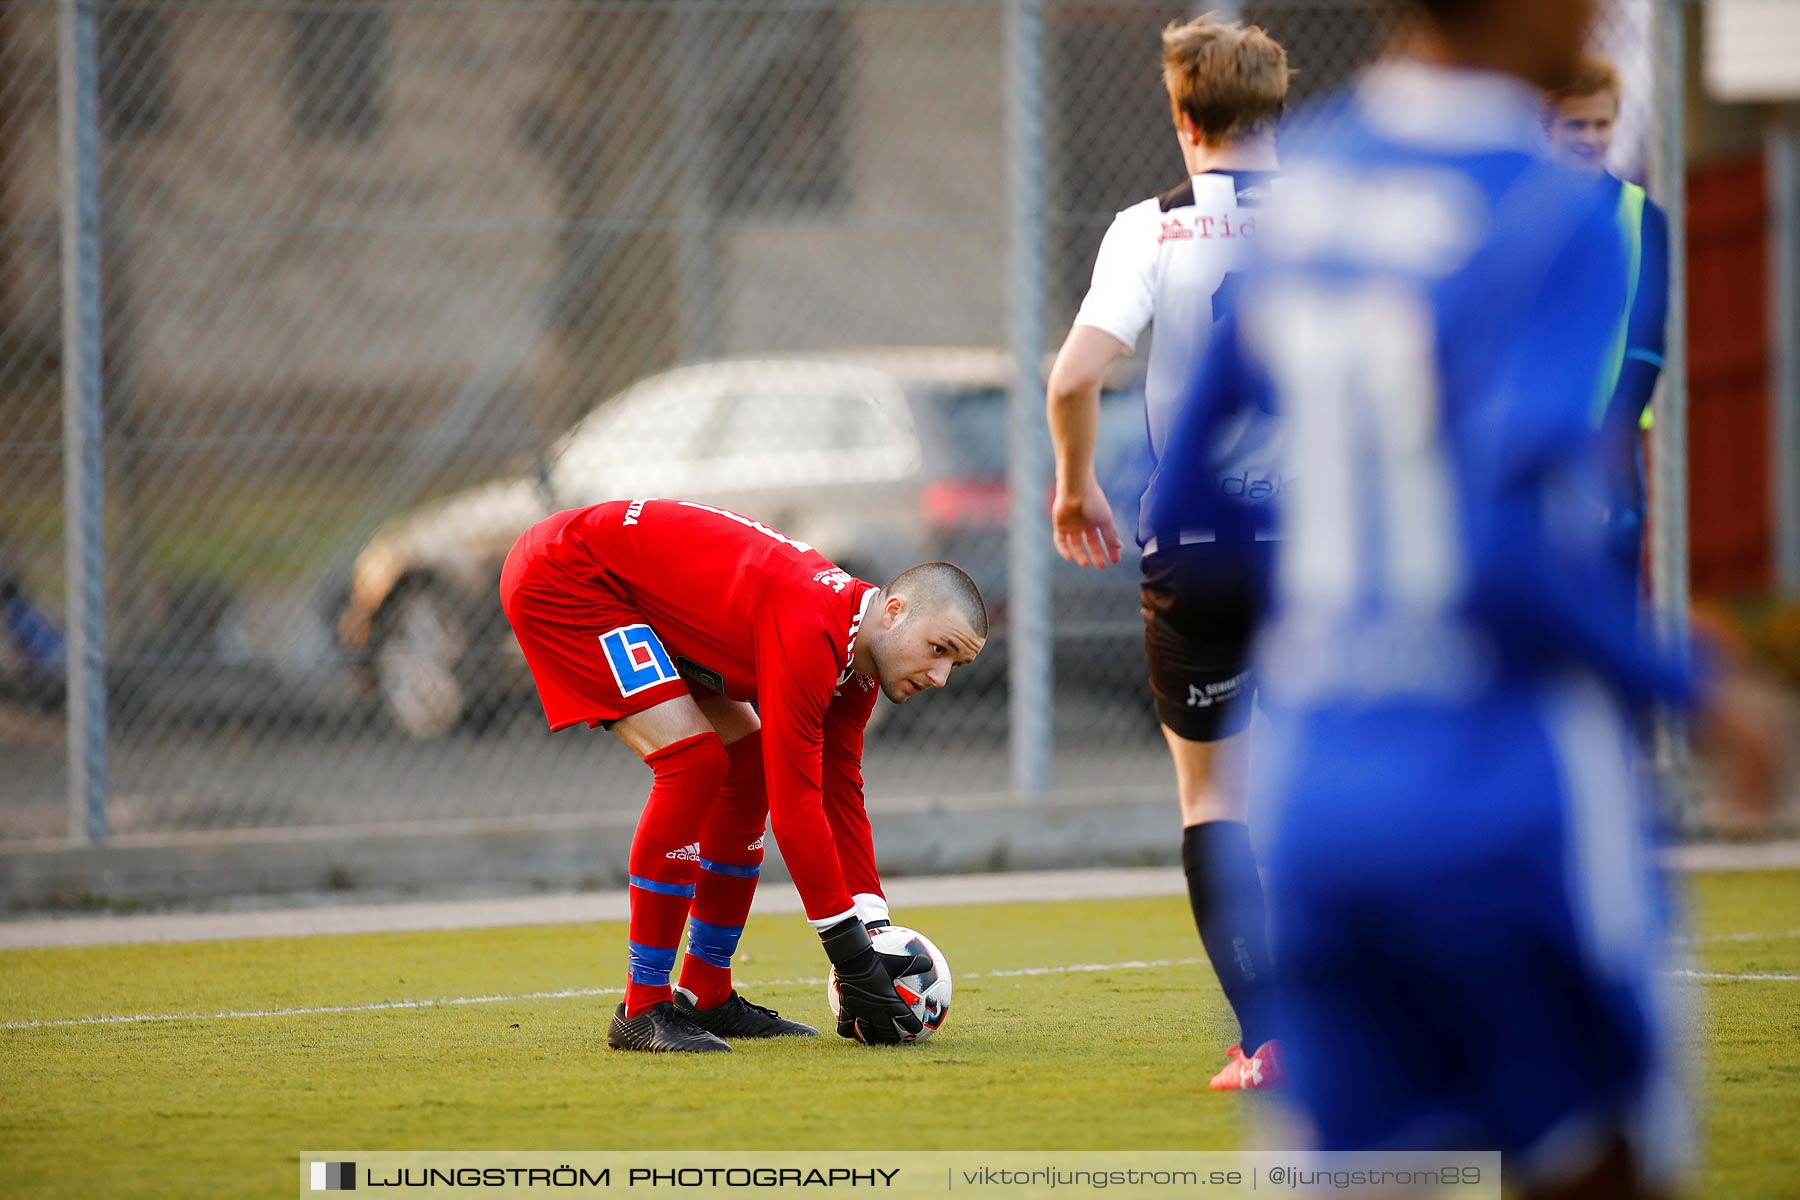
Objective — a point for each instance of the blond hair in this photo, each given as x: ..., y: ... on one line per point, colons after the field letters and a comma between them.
x: 1594, y: 76
x: 1230, y: 79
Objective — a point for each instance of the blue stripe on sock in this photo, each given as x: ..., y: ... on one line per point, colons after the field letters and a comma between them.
x: 667, y: 889
x: 650, y: 965
x: 713, y: 944
x: 719, y: 868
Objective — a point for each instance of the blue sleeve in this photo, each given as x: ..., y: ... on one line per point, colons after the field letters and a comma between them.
x: 1650, y: 311
x: 1542, y: 584
x: 1180, y: 493
x: 1621, y: 439
x: 1646, y: 330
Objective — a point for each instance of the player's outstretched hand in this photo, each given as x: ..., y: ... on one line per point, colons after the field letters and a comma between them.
x: 1082, y: 527
x: 1748, y: 726
x: 869, y: 1009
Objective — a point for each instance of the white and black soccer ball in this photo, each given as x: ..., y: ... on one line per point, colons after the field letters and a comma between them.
x: 926, y: 988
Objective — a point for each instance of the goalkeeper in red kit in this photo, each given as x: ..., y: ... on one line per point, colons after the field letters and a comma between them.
x: 664, y: 621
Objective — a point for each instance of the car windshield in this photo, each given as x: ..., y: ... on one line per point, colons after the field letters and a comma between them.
x: 974, y: 422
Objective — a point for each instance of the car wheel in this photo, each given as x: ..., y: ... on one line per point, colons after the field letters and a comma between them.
x: 423, y: 638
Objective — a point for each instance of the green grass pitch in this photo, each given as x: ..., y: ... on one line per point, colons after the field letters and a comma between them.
x: 1083, y: 1059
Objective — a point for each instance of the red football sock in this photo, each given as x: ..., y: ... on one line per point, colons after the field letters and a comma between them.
x: 665, y: 857
x: 731, y: 854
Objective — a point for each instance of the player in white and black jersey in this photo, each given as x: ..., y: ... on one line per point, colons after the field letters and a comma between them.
x: 1171, y: 261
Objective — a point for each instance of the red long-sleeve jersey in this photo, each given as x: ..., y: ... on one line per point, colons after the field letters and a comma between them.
x: 741, y: 609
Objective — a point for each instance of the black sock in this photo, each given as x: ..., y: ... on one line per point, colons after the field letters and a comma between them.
x: 1227, y: 896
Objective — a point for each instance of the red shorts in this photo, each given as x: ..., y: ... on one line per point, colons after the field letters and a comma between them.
x: 595, y: 660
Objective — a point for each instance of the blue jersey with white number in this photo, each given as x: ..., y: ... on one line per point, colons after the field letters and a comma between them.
x: 1446, y: 794
x: 1433, y: 311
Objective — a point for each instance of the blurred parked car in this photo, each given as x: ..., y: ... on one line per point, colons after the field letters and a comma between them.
x: 879, y: 460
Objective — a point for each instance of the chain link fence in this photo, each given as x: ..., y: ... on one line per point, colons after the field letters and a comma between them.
x: 383, y: 282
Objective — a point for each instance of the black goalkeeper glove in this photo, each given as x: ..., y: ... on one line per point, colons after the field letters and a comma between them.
x: 869, y: 1009
x: 899, y: 966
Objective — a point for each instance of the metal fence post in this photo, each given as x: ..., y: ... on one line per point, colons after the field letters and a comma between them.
x: 83, y: 480
x: 1668, y: 437
x: 698, y: 251
x: 1783, y: 146
x: 1031, y: 704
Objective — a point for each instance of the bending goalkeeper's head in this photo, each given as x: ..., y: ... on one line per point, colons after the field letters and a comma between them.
x: 930, y: 620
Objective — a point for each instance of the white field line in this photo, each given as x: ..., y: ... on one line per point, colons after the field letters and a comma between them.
x: 583, y: 907
x: 1764, y: 936
x: 566, y: 994
x: 1136, y: 964
x: 378, y: 1006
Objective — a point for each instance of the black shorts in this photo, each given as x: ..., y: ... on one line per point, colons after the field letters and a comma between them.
x: 1200, y: 604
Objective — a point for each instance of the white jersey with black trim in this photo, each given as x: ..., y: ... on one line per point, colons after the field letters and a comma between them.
x: 1171, y: 261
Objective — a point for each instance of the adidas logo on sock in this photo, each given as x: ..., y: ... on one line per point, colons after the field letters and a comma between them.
x: 688, y: 853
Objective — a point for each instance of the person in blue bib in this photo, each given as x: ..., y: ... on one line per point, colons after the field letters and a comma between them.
x: 1580, y: 119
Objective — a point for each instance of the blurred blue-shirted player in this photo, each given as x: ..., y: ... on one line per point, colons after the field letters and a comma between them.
x: 1461, y: 895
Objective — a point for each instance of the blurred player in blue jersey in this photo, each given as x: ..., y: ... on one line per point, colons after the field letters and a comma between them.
x: 1171, y: 260
x: 1461, y: 894
x: 1579, y: 118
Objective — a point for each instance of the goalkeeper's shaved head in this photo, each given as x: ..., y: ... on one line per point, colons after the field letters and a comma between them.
x: 930, y: 620
x: 940, y: 586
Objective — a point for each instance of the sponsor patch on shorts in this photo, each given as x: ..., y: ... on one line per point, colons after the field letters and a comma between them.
x: 637, y: 659
x: 1216, y: 693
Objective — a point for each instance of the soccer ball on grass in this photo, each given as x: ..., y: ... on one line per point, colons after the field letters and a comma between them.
x: 921, y: 975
